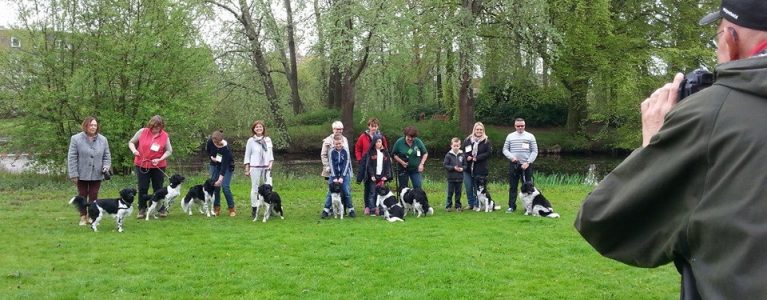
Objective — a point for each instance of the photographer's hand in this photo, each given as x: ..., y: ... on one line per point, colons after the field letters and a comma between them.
x: 655, y: 108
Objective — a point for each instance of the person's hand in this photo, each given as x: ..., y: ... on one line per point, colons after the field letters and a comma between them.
x: 74, y: 180
x: 340, y: 180
x: 404, y: 164
x: 247, y: 172
x: 525, y: 165
x: 420, y: 168
x: 213, y: 159
x: 135, y: 153
x: 469, y: 158
x: 373, y: 179
x: 155, y: 161
x: 655, y: 108
x: 383, y: 178
x: 218, y: 182
x: 513, y: 159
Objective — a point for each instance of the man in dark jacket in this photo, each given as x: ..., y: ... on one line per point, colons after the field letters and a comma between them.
x: 694, y: 192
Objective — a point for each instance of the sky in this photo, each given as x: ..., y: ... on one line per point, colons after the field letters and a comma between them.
x: 7, y: 13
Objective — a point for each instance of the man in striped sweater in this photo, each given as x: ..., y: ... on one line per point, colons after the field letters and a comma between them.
x: 521, y: 150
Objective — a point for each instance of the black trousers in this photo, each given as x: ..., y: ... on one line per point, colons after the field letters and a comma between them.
x: 516, y: 174
x: 145, y: 176
x: 454, y: 188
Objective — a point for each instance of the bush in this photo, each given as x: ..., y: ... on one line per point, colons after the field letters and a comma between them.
x: 542, y: 107
x: 324, y: 116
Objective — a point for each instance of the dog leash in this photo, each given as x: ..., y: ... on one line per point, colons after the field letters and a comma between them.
x: 141, y: 169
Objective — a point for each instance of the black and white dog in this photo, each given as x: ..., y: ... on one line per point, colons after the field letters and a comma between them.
x: 535, y: 203
x: 164, y: 196
x: 484, y: 200
x: 119, y: 208
x: 415, y: 200
x: 202, y: 194
x: 271, y: 201
x: 392, y: 208
x: 336, y: 191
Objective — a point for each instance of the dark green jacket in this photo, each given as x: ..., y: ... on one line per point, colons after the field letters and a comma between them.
x: 697, y: 192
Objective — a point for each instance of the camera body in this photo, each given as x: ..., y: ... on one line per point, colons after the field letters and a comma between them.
x: 694, y: 82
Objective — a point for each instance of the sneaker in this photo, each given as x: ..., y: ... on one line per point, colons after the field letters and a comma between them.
x: 378, y: 212
x: 367, y: 211
x: 509, y: 210
x: 324, y: 215
x: 163, y: 212
x: 458, y: 209
x: 448, y: 209
x: 232, y: 213
x: 352, y: 214
x: 141, y: 213
x: 83, y: 220
x: 471, y: 207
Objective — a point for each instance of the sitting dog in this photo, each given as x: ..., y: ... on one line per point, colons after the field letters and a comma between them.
x: 336, y: 190
x: 164, y: 196
x: 392, y: 208
x: 202, y: 194
x: 271, y: 200
x: 119, y: 208
x: 535, y: 203
x: 484, y: 199
x: 415, y: 200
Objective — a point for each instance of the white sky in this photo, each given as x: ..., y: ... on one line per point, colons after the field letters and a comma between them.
x: 7, y: 13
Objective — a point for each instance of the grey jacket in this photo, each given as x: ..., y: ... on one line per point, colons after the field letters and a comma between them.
x: 86, y: 159
x: 696, y: 192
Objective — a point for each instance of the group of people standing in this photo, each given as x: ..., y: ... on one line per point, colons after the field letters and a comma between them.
x: 89, y: 160
x: 465, y: 162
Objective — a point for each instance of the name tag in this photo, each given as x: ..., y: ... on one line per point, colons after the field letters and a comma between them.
x: 526, y: 145
x: 218, y: 157
x: 155, y: 147
x: 417, y: 152
x: 467, y: 149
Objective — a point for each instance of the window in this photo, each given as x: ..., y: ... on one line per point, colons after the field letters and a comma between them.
x: 15, y: 42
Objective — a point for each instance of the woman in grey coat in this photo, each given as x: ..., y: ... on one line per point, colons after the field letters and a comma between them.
x: 87, y: 160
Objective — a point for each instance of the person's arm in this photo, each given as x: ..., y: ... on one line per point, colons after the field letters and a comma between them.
x: 324, y: 153
x: 640, y: 212
x: 269, y: 155
x: 106, y: 159
x: 358, y: 147
x: 533, y: 149
x: 73, y: 160
x: 507, y: 149
x: 248, y: 151
x: 133, y: 141
x: 424, y: 155
x: 446, y: 163
x: 168, y: 150
x: 485, y: 150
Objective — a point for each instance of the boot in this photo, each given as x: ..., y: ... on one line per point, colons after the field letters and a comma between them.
x: 217, y: 210
x: 141, y: 213
x: 83, y: 220
x: 232, y: 213
x: 253, y: 213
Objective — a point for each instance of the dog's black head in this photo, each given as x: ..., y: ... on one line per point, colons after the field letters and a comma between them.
x: 128, y: 194
x: 265, y: 190
x: 480, y: 181
x: 382, y: 190
x: 208, y: 186
x: 176, y: 179
x: 527, y: 187
x: 335, y: 187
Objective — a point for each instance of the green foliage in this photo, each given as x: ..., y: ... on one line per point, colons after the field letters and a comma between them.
x: 538, y: 106
x: 316, y: 117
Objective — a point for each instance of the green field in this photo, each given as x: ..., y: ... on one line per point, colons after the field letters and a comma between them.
x: 45, y: 254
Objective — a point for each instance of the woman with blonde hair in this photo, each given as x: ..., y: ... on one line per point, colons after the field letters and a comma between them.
x: 477, y: 149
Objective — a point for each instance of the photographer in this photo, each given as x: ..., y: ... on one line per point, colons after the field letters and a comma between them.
x: 694, y: 192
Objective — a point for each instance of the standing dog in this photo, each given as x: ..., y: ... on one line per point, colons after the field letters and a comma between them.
x: 336, y: 190
x: 270, y: 200
x: 119, y: 208
x: 535, y: 203
x: 416, y: 201
x: 484, y: 199
x: 392, y: 209
x: 164, y: 196
x: 202, y: 194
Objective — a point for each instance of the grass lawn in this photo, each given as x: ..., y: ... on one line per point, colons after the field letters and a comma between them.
x: 444, y: 256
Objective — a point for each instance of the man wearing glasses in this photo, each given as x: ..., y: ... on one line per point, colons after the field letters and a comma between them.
x: 694, y: 193
x: 521, y: 150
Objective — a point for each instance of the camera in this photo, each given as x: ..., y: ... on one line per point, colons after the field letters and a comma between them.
x: 107, y: 174
x: 694, y: 82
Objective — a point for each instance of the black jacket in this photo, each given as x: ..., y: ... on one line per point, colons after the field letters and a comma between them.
x: 452, y: 160
x: 477, y: 167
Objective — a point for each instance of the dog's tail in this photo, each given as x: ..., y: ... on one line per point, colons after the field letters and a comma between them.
x: 79, y: 202
x: 395, y: 219
x: 553, y: 215
x: 497, y: 207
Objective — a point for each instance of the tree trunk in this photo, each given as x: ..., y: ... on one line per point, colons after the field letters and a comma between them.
x: 322, y: 55
x: 347, y: 104
x: 465, y: 97
x: 576, y: 104
x: 295, y: 98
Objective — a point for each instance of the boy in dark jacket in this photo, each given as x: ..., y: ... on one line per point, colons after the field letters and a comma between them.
x: 454, y: 165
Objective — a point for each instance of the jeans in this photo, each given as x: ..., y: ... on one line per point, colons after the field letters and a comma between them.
x: 453, y: 188
x: 370, y: 193
x: 214, y: 173
x: 515, y: 175
x: 471, y: 194
x: 414, y: 176
x: 346, y: 197
x: 156, y: 176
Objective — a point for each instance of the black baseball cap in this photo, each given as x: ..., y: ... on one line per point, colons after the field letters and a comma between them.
x: 747, y: 13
